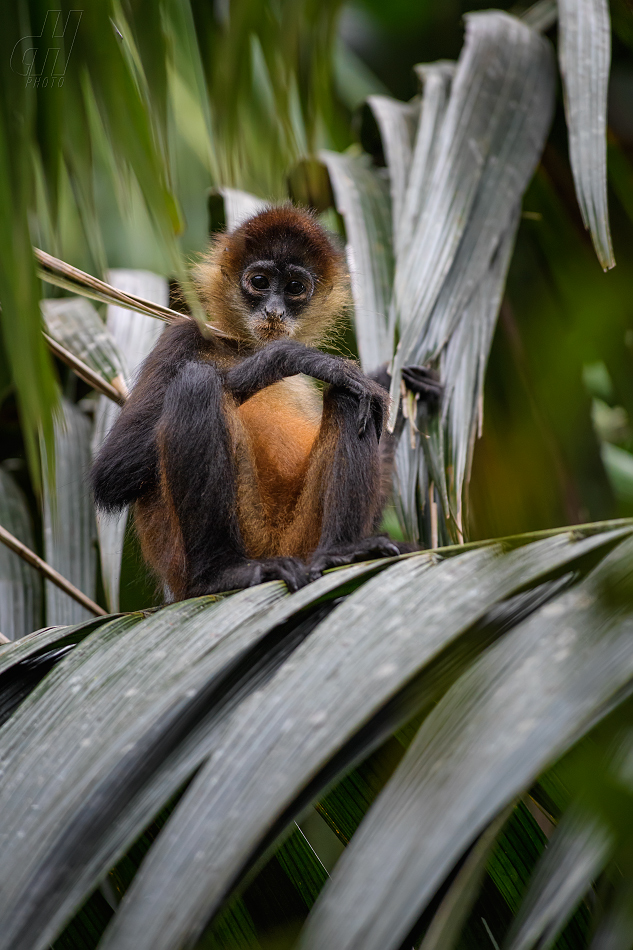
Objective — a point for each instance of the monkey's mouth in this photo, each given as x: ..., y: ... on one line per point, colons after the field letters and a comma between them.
x: 271, y: 328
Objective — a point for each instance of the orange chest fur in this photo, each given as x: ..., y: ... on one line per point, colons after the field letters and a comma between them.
x: 277, y: 430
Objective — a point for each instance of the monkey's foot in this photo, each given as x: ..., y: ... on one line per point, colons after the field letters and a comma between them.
x: 425, y: 382
x: 289, y: 569
x: 250, y: 573
x: 365, y: 550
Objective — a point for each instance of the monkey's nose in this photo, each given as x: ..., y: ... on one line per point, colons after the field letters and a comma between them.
x: 275, y: 315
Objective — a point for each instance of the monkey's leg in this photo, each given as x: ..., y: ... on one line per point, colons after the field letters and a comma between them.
x: 198, y: 478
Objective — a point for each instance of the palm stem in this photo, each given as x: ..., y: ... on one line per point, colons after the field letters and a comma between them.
x: 85, y: 372
x: 64, y: 275
x: 49, y: 572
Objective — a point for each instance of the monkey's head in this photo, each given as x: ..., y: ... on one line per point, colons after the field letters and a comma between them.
x: 277, y: 275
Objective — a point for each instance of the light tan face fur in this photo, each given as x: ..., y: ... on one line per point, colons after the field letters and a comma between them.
x: 218, y: 278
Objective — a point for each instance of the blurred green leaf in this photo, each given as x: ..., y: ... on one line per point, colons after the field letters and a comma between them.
x: 619, y: 465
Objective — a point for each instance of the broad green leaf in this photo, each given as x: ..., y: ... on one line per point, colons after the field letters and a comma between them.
x: 69, y: 520
x: 584, y: 44
x: 377, y: 659
x: 74, y: 322
x: 520, y: 706
x: 20, y: 321
x: 362, y: 198
x: 20, y: 584
x: 134, y: 335
x: 576, y: 854
x: 186, y: 77
x: 123, y: 723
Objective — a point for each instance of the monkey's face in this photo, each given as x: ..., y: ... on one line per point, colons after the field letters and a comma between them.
x: 276, y: 275
x: 276, y: 294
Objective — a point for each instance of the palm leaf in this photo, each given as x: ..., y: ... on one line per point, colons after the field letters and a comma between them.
x: 519, y: 707
x: 69, y: 519
x: 452, y: 913
x: 75, y: 324
x: 29, y: 660
x: 172, y: 680
x: 578, y: 851
x: 134, y: 335
x: 436, y: 79
x: 362, y: 199
x: 455, y: 210
x: 585, y: 57
x: 316, y: 718
x: 20, y: 585
x: 456, y: 245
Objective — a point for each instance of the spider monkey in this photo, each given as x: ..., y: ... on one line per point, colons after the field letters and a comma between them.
x: 237, y: 473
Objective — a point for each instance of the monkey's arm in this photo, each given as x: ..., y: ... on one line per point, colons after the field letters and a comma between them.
x: 126, y: 465
x: 288, y: 358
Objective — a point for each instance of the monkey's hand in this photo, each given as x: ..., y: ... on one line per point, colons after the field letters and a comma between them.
x: 424, y: 382
x: 288, y: 358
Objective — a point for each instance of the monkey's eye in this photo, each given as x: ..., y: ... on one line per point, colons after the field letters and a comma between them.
x: 295, y: 288
x: 260, y: 282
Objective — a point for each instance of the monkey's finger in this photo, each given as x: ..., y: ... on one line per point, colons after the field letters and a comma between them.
x: 364, y: 412
x: 291, y: 570
x: 325, y: 561
x: 419, y: 379
x: 378, y: 414
x: 421, y: 372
